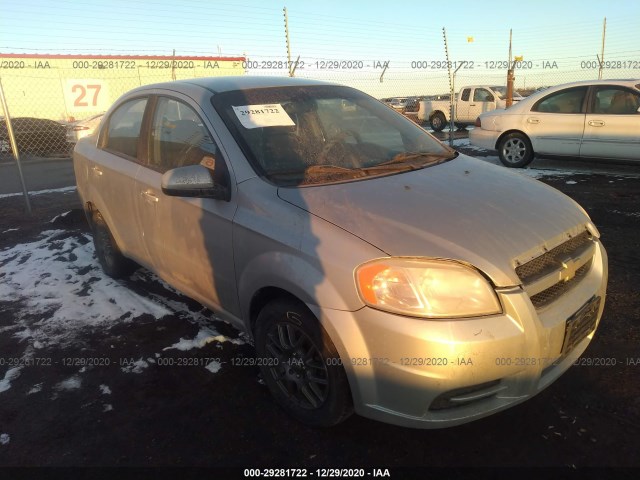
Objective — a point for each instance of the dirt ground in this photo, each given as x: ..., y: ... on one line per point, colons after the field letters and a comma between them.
x: 190, y: 416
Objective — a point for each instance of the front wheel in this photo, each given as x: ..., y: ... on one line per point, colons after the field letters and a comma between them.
x: 438, y: 122
x: 301, y: 366
x: 515, y: 150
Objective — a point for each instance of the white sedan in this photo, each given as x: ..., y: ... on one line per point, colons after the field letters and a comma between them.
x: 596, y: 119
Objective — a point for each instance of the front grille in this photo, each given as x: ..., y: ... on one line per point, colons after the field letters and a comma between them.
x: 547, y: 296
x: 546, y: 278
x: 552, y: 260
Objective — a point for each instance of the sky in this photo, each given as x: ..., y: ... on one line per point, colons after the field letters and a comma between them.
x: 407, y: 34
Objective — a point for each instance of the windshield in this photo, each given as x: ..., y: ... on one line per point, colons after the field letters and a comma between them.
x: 310, y: 135
x: 502, y: 92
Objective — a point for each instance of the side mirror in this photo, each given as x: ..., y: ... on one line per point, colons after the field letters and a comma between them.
x: 195, y: 181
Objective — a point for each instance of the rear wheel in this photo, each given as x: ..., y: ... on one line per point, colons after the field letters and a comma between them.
x: 515, y: 150
x: 438, y: 122
x: 300, y: 365
x: 111, y: 259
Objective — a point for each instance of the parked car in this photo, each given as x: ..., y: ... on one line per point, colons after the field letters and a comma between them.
x: 376, y: 269
x: 39, y: 136
x: 398, y: 103
x: 469, y: 103
x: 599, y: 119
x: 81, y: 128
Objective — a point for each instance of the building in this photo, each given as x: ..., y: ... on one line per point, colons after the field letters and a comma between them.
x: 67, y: 87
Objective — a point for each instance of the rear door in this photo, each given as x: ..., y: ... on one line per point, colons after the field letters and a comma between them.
x: 112, y: 172
x: 612, y: 127
x: 187, y: 239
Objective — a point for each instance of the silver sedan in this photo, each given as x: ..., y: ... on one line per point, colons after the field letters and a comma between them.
x: 377, y: 270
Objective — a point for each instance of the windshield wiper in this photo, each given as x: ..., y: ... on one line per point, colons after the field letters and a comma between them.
x: 401, y: 159
x: 329, y: 169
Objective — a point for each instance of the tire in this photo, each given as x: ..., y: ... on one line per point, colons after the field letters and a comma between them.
x: 111, y: 259
x: 515, y: 150
x: 300, y: 365
x: 438, y: 122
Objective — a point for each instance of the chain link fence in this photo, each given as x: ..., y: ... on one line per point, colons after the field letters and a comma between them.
x: 53, y: 100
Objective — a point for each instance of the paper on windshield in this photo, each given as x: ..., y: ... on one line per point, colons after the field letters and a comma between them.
x: 256, y: 116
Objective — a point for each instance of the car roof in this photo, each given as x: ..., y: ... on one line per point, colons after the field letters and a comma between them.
x: 230, y: 83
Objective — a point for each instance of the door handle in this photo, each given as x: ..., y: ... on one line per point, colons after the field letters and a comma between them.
x: 147, y: 195
x: 533, y: 120
x: 596, y: 123
x: 97, y: 171
x: 472, y: 104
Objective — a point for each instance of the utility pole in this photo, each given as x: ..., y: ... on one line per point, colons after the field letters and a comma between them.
x: 601, y: 59
x: 286, y: 32
x: 510, y: 77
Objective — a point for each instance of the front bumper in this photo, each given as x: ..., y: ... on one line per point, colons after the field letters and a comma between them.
x: 483, y: 138
x: 434, y: 373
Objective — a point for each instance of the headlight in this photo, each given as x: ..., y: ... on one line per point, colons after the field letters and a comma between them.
x: 426, y: 288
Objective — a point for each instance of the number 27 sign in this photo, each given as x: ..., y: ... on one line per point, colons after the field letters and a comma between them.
x: 84, y: 95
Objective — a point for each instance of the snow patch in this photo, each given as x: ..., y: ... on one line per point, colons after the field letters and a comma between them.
x: 11, y: 230
x: 107, y: 407
x: 4, y: 439
x: 570, y: 182
x: 105, y: 389
x: 71, y: 383
x: 64, y: 289
x: 136, y: 367
x: 62, y: 215
x: 214, y: 366
x: 9, y: 376
x: 35, y: 389
x: 204, y: 336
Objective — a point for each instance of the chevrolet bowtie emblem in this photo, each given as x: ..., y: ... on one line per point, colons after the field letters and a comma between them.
x: 569, y: 268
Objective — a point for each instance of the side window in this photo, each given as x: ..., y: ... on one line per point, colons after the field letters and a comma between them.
x: 564, y: 101
x: 465, y: 94
x: 482, y: 95
x: 123, y: 131
x: 178, y: 137
x: 615, y: 101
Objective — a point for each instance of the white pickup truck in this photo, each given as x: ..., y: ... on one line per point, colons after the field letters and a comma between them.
x: 470, y: 102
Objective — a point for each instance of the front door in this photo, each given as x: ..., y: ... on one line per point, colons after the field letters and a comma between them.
x: 189, y: 239
x: 555, y: 123
x: 483, y: 101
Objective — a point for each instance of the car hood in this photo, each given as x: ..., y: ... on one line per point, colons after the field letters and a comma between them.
x: 464, y: 209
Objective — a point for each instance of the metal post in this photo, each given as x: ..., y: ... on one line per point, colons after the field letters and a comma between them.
x: 604, y: 32
x: 510, y: 77
x: 286, y: 32
x: 14, y: 147
x: 451, y: 91
x: 173, y: 66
